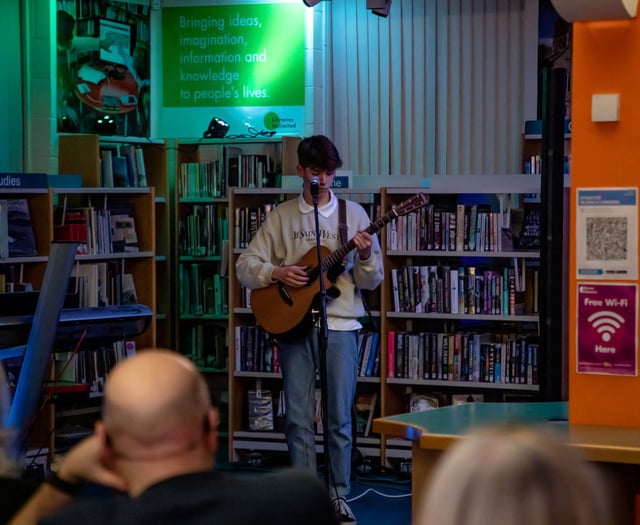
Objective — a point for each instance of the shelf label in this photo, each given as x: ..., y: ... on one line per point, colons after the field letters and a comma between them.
x: 341, y: 182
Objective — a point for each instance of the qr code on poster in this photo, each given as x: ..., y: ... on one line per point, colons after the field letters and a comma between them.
x: 606, y: 238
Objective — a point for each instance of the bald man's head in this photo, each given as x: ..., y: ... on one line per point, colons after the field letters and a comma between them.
x: 156, y: 397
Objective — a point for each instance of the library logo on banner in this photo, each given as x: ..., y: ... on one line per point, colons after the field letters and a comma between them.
x: 607, y: 328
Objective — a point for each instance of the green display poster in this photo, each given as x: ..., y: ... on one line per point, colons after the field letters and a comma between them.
x: 233, y: 55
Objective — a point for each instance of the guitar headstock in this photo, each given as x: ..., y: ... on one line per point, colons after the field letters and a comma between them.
x: 414, y: 203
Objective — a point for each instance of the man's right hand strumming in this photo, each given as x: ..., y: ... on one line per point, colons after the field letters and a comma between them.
x: 295, y: 276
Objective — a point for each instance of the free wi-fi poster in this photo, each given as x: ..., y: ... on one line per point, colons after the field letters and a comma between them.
x: 607, y: 328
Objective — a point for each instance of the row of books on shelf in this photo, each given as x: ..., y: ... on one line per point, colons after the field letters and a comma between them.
x: 255, y: 350
x: 469, y: 290
x: 202, y: 179
x: 266, y: 414
x: 111, y: 229
x: 463, y: 356
x: 205, y: 345
x: 369, y: 354
x: 465, y: 227
x: 250, y: 170
x: 8, y: 284
x: 202, y: 232
x: 102, y: 284
x: 247, y: 222
x: 123, y: 166
x: 203, y: 291
x: 261, y: 415
x: 84, y: 9
x: 91, y: 367
x: 221, y: 167
x: 365, y: 407
x: 533, y: 164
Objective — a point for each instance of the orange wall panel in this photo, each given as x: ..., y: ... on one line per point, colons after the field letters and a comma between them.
x: 606, y: 59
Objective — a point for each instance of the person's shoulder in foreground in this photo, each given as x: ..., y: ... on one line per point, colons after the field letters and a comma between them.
x: 285, y: 496
x: 514, y: 475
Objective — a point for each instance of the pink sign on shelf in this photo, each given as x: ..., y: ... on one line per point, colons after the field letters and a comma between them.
x: 606, y: 337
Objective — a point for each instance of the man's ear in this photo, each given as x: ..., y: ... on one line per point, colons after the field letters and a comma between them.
x: 100, y: 431
x: 300, y: 170
x: 212, y: 432
x: 106, y: 448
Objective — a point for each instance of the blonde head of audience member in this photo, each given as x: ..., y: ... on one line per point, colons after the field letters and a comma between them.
x: 514, y: 476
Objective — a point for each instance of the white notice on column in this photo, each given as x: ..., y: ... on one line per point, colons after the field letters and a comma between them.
x: 607, y: 233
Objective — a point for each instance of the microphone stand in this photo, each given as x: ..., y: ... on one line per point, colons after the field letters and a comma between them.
x: 323, y: 336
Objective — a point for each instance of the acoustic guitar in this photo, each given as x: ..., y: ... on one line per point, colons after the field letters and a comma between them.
x: 285, y: 311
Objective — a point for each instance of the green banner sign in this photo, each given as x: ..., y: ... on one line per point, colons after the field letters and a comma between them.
x: 233, y: 55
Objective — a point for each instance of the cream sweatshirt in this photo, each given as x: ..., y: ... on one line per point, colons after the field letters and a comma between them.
x: 288, y: 233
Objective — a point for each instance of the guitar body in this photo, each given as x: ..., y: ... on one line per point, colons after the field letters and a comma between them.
x: 284, y: 310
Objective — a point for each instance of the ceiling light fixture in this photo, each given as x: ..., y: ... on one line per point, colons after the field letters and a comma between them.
x: 379, y: 7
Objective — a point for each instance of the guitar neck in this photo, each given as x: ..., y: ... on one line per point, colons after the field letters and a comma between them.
x: 335, y: 257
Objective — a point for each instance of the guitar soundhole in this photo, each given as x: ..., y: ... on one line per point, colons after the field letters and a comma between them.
x: 312, y: 273
x: 285, y: 295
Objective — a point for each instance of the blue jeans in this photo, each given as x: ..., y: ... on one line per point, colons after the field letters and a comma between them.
x: 299, y: 360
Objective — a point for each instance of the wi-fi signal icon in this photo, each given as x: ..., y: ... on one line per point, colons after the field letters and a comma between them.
x: 606, y: 323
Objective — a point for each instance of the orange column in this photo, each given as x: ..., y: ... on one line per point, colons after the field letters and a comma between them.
x: 606, y: 59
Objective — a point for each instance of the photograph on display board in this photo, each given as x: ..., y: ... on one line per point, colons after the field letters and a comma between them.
x: 103, y: 64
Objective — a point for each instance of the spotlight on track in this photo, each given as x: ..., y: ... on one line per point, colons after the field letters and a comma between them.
x: 311, y: 3
x: 379, y: 7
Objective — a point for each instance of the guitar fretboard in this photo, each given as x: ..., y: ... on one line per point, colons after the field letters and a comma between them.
x: 412, y: 204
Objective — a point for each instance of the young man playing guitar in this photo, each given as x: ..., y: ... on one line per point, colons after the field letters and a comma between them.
x: 276, y: 258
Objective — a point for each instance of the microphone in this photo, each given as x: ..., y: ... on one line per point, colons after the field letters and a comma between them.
x: 314, y: 186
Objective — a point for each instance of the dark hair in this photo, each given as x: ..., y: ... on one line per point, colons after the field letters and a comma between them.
x: 318, y: 152
x: 65, y: 25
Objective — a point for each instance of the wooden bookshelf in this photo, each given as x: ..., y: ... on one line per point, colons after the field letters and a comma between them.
x: 437, y: 315
x: 42, y: 203
x: 207, y: 173
x: 81, y: 154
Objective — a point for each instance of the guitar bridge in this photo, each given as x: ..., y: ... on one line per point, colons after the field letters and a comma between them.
x: 285, y: 295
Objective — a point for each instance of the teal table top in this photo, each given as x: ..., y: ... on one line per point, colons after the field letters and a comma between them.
x: 437, y: 429
x: 460, y: 419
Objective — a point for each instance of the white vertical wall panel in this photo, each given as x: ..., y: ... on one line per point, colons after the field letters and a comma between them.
x: 434, y: 89
x: 466, y: 79
x: 454, y: 157
x: 428, y: 130
x: 391, y: 62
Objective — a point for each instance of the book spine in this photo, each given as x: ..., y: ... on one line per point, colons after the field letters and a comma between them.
x: 391, y: 354
x: 140, y: 165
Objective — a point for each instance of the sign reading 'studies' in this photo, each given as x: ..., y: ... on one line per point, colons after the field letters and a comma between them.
x: 23, y: 180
